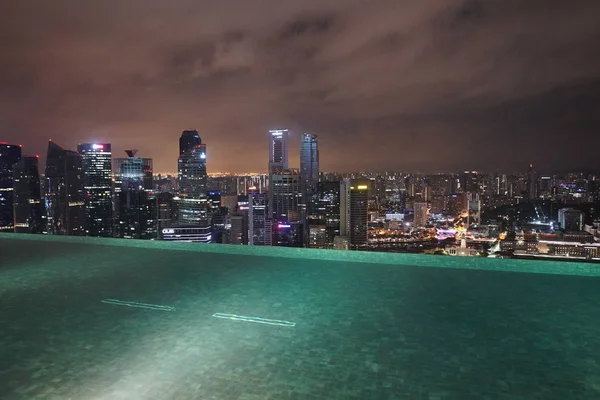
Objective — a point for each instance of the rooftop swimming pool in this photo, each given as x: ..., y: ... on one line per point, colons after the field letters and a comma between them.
x: 92, y: 319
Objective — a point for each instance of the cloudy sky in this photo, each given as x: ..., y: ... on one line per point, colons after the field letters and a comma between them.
x: 386, y: 84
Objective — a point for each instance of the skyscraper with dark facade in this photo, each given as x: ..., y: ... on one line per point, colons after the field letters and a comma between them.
x: 309, y: 162
x: 354, y: 199
x: 136, y: 209
x: 64, y: 192
x: 285, y: 195
x: 193, y: 179
x: 531, y: 183
x: 97, y: 182
x: 9, y: 155
x: 259, y: 231
x: 324, y: 214
x: 278, y: 150
x: 28, y: 204
x: 469, y: 182
x: 188, y: 140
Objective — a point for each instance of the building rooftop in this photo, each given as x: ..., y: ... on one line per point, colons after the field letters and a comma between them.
x: 104, y: 319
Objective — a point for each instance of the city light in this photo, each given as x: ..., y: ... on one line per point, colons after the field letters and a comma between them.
x: 97, y: 146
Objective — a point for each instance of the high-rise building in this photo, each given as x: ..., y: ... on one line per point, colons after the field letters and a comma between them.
x: 420, y: 220
x: 278, y: 150
x: 136, y: 174
x: 258, y: 234
x: 64, y: 192
x: 570, y: 219
x: 97, y: 182
x: 188, y: 140
x: 214, y: 200
x: 9, y: 155
x: 136, y: 207
x: 309, y: 162
x: 354, y: 201
x: 239, y: 229
x: 285, y: 196
x: 531, y: 183
x: 28, y: 204
x: 473, y: 209
x: 324, y: 210
x: 469, y: 182
x: 193, y: 203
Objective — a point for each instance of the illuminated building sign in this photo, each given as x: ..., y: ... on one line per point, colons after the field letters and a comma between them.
x: 97, y: 146
x: 362, y: 187
x: 282, y: 226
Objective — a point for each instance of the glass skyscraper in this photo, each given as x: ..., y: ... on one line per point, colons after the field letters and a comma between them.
x: 97, y: 177
x: 278, y: 150
x: 193, y: 180
x: 188, y: 140
x: 135, y: 203
x: 64, y: 192
x: 9, y: 155
x: 28, y: 205
x: 354, y: 198
x: 309, y: 162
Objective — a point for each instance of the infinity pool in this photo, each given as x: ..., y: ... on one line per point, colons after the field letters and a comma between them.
x: 98, y: 319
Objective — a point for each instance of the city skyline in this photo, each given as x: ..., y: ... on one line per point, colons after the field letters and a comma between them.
x: 430, y: 86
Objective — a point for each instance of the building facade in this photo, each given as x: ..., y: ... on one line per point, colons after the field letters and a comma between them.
x: 354, y: 202
x: 98, y: 186
x: 193, y: 180
x: 64, y: 192
x: 9, y: 155
x: 29, y: 213
x: 309, y: 162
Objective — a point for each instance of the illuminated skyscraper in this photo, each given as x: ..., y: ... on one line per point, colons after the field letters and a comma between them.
x: 324, y: 213
x: 9, y: 155
x: 570, y: 219
x: 135, y: 208
x: 259, y: 233
x: 531, y: 183
x: 278, y: 150
x: 97, y: 183
x: 286, y: 195
x: 420, y: 220
x: 309, y: 162
x: 64, y: 192
x: 28, y: 205
x: 193, y: 179
x: 354, y: 199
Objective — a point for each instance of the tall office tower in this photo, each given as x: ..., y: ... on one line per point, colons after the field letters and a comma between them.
x: 469, y: 181
x: 214, y: 200
x: 64, y: 192
x: 239, y: 229
x: 97, y: 182
x: 285, y: 196
x: 354, y: 200
x: 188, y: 140
x: 9, y: 155
x: 420, y: 220
x: 257, y: 220
x: 473, y: 209
x: 531, y: 183
x: 193, y: 179
x: 135, y: 177
x: 309, y: 162
x: 135, y: 202
x: 167, y: 209
x: 278, y: 150
x: 324, y: 211
x: 570, y: 219
x: 28, y: 205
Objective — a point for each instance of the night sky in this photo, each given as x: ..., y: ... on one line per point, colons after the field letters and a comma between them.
x: 426, y: 85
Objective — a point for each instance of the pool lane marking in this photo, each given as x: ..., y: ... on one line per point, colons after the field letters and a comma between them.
x: 255, y: 319
x: 138, y: 305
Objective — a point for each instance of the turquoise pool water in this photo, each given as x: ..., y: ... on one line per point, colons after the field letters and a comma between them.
x: 365, y: 326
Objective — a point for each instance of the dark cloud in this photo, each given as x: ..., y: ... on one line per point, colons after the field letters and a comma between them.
x: 387, y: 84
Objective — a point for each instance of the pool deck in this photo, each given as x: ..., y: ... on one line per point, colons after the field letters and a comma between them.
x: 104, y: 319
